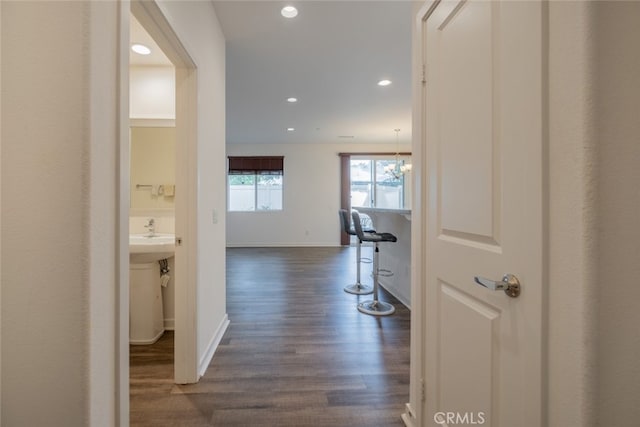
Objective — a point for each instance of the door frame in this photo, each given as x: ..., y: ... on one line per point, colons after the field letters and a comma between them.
x: 413, y: 415
x: 155, y: 23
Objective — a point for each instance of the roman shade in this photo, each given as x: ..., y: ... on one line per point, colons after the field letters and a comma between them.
x: 256, y: 165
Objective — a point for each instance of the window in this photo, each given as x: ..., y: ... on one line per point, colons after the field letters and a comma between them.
x: 255, y: 183
x: 374, y: 185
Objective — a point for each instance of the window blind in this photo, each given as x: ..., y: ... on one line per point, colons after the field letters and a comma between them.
x: 256, y: 165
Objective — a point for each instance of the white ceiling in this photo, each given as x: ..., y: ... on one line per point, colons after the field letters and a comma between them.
x: 330, y: 57
x: 137, y: 34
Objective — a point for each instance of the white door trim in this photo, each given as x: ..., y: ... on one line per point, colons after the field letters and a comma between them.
x: 122, y: 223
x: 413, y: 415
x: 186, y: 345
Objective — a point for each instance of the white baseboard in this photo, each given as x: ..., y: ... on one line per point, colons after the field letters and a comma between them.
x: 213, y: 345
x: 170, y: 324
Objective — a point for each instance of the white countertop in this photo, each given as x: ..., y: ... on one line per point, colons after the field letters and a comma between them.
x: 404, y: 212
x: 398, y: 211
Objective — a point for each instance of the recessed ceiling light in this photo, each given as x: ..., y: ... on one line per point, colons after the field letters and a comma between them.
x: 289, y: 12
x: 140, y: 49
x: 384, y: 82
x: 290, y: 129
x: 292, y: 99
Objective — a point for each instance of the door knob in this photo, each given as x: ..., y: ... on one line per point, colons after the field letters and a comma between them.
x: 509, y: 284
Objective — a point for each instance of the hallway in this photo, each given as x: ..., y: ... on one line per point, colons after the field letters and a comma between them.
x: 297, y: 352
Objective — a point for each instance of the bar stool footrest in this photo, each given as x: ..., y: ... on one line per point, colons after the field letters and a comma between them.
x: 383, y: 272
x: 358, y: 289
x: 366, y: 260
x: 376, y: 308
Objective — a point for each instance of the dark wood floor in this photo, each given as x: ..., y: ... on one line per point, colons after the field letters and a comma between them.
x: 297, y: 351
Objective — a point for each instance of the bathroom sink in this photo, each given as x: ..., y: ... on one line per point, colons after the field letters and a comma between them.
x: 144, y: 248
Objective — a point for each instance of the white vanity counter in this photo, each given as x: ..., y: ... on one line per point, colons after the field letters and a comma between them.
x: 394, y: 256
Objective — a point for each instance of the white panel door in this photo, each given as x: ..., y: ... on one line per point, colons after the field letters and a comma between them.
x: 483, y: 157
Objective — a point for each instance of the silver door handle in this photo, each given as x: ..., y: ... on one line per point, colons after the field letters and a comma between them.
x: 509, y: 284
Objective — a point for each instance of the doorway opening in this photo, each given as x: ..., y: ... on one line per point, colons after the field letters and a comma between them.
x: 152, y: 151
x: 170, y: 198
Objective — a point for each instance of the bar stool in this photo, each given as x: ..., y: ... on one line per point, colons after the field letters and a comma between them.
x: 374, y: 307
x: 357, y: 288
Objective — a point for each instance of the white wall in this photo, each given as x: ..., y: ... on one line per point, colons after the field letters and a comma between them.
x: 593, y: 229
x: 570, y: 204
x: 594, y: 233
x: 0, y: 224
x: 617, y: 132
x: 59, y: 180
x: 197, y: 26
x: 60, y: 117
x: 152, y: 92
x: 153, y: 162
x: 311, y: 196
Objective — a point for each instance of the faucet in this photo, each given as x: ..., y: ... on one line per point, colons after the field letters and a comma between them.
x: 151, y: 227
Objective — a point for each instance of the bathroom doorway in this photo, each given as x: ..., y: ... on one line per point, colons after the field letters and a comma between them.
x: 152, y: 135
x: 162, y: 137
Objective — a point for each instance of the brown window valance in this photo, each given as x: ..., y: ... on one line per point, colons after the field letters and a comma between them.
x: 256, y: 165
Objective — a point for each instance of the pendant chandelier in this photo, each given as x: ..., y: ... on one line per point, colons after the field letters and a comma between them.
x: 397, y: 169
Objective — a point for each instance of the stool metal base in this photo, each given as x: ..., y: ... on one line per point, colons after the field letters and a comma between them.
x: 358, y: 289
x: 376, y: 308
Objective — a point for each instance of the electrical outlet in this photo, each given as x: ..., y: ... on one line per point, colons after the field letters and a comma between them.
x: 214, y: 216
